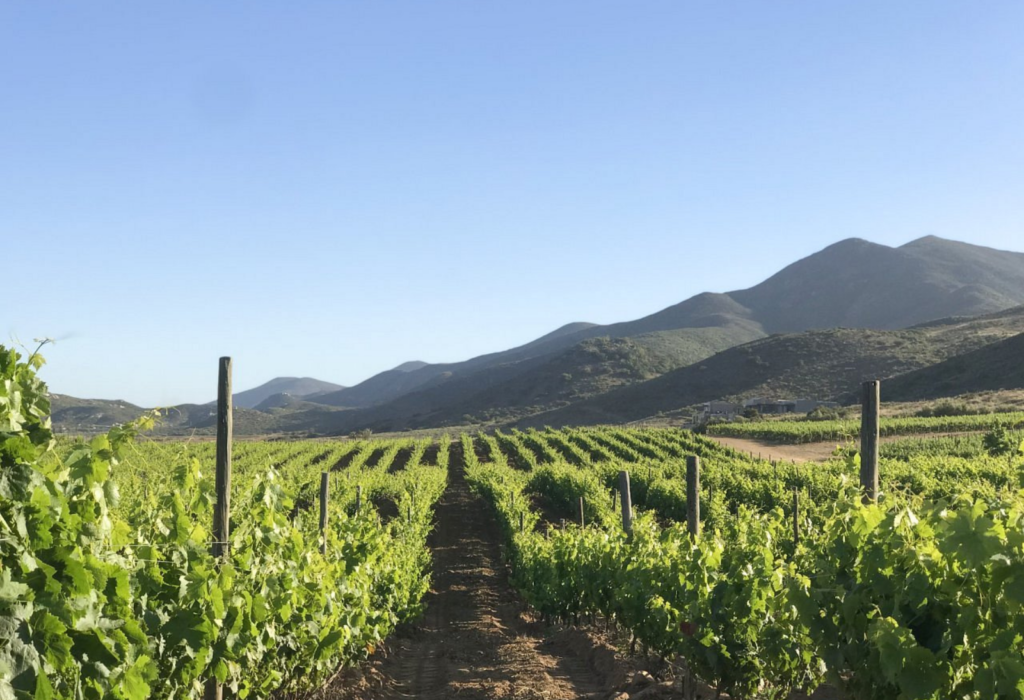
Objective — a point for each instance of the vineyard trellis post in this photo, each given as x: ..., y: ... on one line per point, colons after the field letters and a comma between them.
x: 869, y: 439
x: 693, y: 495
x: 359, y: 497
x: 796, y: 516
x: 627, y: 504
x: 222, y: 507
x: 324, y: 480
x: 583, y: 522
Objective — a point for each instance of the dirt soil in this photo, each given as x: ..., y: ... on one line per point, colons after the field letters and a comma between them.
x: 476, y: 639
x: 807, y: 452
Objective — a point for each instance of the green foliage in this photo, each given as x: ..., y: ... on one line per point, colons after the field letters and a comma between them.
x: 921, y: 596
x: 101, y: 598
x: 800, y: 431
x: 945, y: 409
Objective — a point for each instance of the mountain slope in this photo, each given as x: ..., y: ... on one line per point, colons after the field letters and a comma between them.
x: 827, y: 364
x: 293, y: 386
x: 993, y: 367
x: 511, y: 390
x: 70, y: 414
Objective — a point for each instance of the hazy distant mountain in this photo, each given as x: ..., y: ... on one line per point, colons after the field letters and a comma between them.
x: 71, y: 414
x: 299, y: 387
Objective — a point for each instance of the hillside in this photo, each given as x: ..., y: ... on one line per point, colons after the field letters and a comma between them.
x: 991, y: 368
x: 298, y: 387
x: 828, y: 364
x: 73, y: 415
x: 512, y: 390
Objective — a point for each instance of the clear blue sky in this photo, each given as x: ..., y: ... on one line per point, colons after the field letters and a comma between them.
x: 331, y: 188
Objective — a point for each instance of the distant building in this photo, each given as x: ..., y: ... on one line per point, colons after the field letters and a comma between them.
x: 721, y: 410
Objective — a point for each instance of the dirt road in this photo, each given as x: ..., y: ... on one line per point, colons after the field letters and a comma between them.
x: 809, y: 451
x: 475, y: 640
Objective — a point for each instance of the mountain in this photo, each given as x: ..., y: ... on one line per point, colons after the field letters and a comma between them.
x: 858, y: 284
x: 777, y: 336
x: 300, y: 387
x: 853, y: 283
x: 991, y: 368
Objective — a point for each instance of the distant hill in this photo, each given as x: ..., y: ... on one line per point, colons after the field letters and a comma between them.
x: 991, y: 368
x: 70, y: 414
x: 298, y: 387
x: 410, y: 366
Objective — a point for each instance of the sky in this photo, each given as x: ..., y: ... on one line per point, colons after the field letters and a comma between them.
x: 329, y: 189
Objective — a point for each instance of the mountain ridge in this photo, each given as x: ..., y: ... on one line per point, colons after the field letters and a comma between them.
x: 850, y: 283
x: 907, y: 294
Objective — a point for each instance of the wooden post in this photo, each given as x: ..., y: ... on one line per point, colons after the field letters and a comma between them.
x: 627, y: 504
x: 324, y: 480
x: 359, y: 497
x: 522, y: 521
x: 561, y: 524
x: 796, y: 516
x: 222, y: 507
x: 693, y: 495
x: 869, y: 440
x: 583, y: 522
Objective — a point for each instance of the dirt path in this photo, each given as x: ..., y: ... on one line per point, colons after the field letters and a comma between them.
x: 475, y: 640
x: 808, y: 451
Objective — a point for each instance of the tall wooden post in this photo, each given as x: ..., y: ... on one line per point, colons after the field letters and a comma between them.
x: 796, y: 516
x: 583, y: 522
x: 359, y: 497
x: 627, y: 504
x: 323, y: 512
x: 522, y: 521
x: 222, y: 507
x: 693, y: 495
x: 869, y: 440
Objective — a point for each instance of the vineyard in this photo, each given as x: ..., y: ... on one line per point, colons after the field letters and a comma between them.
x: 799, y: 431
x: 109, y: 586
